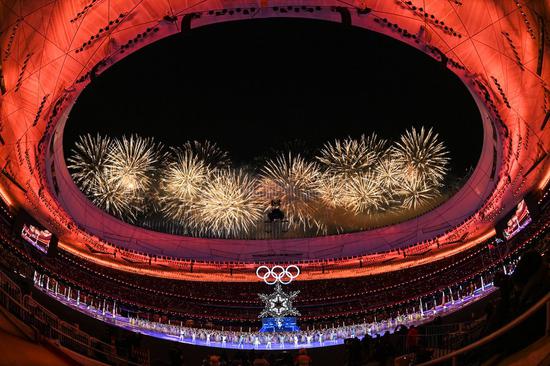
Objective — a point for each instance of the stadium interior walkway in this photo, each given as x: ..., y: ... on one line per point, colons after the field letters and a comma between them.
x: 18, y: 350
x: 536, y: 354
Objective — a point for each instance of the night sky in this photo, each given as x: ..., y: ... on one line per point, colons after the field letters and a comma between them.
x: 255, y: 87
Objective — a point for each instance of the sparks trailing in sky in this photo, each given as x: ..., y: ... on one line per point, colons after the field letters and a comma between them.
x: 88, y: 161
x: 421, y: 157
x: 196, y: 187
x: 350, y: 157
x: 209, y: 152
x: 131, y: 164
x: 363, y: 193
x: 228, y: 205
x: 293, y: 180
x: 181, y: 184
x: 115, y: 174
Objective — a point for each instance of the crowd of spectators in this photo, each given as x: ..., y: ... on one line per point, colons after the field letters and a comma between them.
x: 517, y: 293
x: 197, y: 301
x: 207, y: 304
x: 239, y: 301
x: 302, y: 358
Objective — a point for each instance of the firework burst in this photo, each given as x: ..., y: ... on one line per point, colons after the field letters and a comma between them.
x: 349, y: 156
x: 364, y: 194
x: 181, y: 184
x: 209, y: 152
x: 228, y: 206
x: 421, y: 157
x: 132, y: 164
x: 115, y: 200
x: 197, y: 190
x: 375, y: 144
x: 330, y: 189
x: 416, y: 193
x: 389, y: 174
x: 88, y: 161
x: 294, y: 181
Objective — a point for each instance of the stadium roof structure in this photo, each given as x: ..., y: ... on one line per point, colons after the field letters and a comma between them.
x: 52, y: 49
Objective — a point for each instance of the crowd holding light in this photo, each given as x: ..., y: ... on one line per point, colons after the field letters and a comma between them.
x: 196, y: 187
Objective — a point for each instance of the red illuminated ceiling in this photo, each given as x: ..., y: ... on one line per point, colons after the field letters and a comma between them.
x: 51, y: 50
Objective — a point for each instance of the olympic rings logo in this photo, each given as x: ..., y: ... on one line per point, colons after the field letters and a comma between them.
x: 278, y: 274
